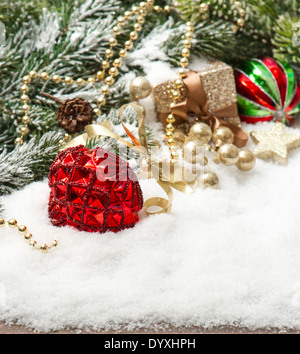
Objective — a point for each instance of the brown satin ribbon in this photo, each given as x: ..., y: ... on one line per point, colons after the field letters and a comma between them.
x: 196, y: 106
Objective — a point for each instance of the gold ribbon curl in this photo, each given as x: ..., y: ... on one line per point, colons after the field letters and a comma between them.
x: 163, y: 173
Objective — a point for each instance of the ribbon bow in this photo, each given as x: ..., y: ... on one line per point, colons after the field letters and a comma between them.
x: 195, y: 106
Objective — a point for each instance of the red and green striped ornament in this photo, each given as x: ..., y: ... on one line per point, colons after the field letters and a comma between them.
x: 267, y: 90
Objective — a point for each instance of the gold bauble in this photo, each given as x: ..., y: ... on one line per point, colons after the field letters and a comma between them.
x: 43, y: 247
x: 222, y: 135
x: 192, y: 152
x: 209, y: 180
x: 140, y: 87
x: 201, y: 132
x: 246, y: 160
x: 228, y: 154
x: 180, y: 138
x: 2, y: 222
x: 12, y: 223
x: 28, y: 236
x: 22, y: 229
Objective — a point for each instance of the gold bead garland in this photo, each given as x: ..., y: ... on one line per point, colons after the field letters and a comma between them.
x: 22, y: 229
x: 184, y: 62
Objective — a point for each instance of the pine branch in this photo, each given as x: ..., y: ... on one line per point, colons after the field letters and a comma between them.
x: 27, y: 163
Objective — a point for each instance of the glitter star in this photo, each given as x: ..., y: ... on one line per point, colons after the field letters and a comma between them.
x: 275, y: 143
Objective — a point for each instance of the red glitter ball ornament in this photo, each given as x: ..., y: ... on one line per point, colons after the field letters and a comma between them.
x: 93, y: 190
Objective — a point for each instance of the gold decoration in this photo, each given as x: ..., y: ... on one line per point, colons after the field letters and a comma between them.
x: 213, y: 75
x: 222, y: 135
x: 201, y: 132
x: 209, y: 180
x: 140, y: 87
x: 274, y: 144
x: 246, y: 160
x: 228, y: 154
x: 22, y: 229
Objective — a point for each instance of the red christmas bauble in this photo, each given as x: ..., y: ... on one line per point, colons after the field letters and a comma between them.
x: 93, y: 190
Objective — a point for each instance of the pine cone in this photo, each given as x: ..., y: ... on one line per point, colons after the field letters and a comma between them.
x: 74, y: 114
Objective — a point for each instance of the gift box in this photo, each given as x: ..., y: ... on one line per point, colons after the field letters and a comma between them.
x: 212, y: 93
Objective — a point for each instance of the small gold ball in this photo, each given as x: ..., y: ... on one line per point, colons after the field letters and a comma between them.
x: 128, y: 45
x: 176, y: 95
x: 201, y: 132
x: 19, y: 141
x: 112, y: 42
x: 187, y: 43
x: 33, y: 74
x: 91, y: 80
x: 246, y: 160
x: 209, y: 180
x: 137, y: 27
x: 54, y: 243
x: 109, y: 53
x: 24, y: 88
x: 170, y: 127
x: 117, y: 63
x: 56, y: 79
x: 24, y: 130
x: 184, y: 62
x: 182, y: 73
x: 140, y: 19
x: 80, y: 82
x: 109, y: 81
x: 113, y: 72
x: 171, y: 142
x: 105, y: 64
x: 169, y: 135
x: 2, y: 222
x: 22, y: 229
x: 127, y: 15
x: 140, y: 87
x: 12, y: 223
x: 133, y: 35
x: 179, y: 137
x: 25, y: 108
x: 105, y: 90
x: 26, y: 79
x: 32, y: 243
x: 121, y: 20
x: 240, y: 22
x: 28, y: 236
x: 185, y: 52
x: 171, y: 119
x: 193, y: 152
x: 222, y: 135
x: 43, y: 247
x: 24, y: 98
x: 100, y: 75
x: 97, y: 112
x: 68, y: 80
x: 179, y: 83
x: 123, y: 53
x: 117, y: 30
x: 44, y: 76
x: 228, y: 154
x: 101, y: 101
x: 188, y: 35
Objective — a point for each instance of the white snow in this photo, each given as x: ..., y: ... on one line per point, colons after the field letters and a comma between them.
x: 227, y: 256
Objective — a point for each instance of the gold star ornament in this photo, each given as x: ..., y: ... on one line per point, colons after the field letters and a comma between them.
x: 274, y: 144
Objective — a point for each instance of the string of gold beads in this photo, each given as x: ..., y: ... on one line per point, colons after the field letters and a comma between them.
x: 22, y: 229
x: 140, y: 11
x: 184, y: 62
